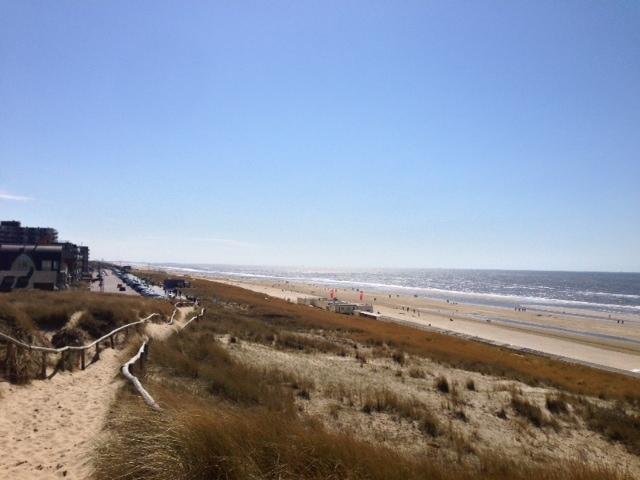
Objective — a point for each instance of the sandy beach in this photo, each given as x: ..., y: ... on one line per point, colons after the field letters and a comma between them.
x: 580, y: 335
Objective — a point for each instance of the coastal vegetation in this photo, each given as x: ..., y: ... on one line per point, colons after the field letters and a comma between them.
x: 263, y: 388
x: 57, y: 319
x: 252, y: 316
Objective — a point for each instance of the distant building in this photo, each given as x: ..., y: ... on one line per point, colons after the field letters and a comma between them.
x: 32, y: 257
x: 346, y: 308
x: 173, y: 283
x: 336, y: 306
x: 11, y: 231
x: 32, y: 266
x: 84, y: 259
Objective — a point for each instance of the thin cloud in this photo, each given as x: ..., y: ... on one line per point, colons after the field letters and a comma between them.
x: 222, y: 241
x: 14, y: 198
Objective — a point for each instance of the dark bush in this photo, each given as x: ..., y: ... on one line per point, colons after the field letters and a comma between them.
x: 556, y: 405
x: 442, y: 384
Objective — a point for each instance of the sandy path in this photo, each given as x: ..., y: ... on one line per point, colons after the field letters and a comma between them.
x: 160, y: 331
x: 48, y: 428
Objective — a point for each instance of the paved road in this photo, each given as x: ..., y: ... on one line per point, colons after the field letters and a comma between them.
x: 111, y: 284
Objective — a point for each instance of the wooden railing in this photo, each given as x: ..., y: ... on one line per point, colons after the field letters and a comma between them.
x: 140, y: 359
x: 200, y: 315
x: 64, y: 352
x: 137, y: 360
x: 80, y: 350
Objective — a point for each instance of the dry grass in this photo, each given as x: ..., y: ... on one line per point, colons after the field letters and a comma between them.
x: 409, y: 408
x: 27, y: 314
x: 616, y: 424
x: 34, y: 310
x: 557, y: 404
x: 192, y: 439
x: 308, y: 343
x: 225, y: 419
x: 195, y: 354
x: 399, y: 357
x: 442, y: 384
x: 262, y: 316
x: 532, y: 412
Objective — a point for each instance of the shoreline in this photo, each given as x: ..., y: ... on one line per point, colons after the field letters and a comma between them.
x: 568, y: 307
x: 598, y: 342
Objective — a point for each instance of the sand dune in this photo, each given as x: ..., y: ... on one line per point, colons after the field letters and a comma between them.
x: 597, y: 340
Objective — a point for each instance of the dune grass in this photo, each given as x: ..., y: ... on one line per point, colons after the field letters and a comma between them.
x: 223, y: 419
x: 261, y: 317
x: 196, y: 355
x: 616, y: 424
x: 28, y: 314
x: 33, y: 310
x: 192, y: 441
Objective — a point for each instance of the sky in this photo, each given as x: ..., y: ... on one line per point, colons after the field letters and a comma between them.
x: 488, y: 134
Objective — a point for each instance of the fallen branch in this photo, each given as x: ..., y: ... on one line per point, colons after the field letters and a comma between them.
x: 142, y: 352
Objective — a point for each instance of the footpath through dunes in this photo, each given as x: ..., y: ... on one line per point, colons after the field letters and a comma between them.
x: 49, y: 428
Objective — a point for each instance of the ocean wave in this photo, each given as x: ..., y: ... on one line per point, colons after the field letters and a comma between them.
x: 610, y: 294
x: 470, y: 295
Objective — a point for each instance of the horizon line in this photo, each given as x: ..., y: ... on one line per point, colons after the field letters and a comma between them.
x: 169, y: 263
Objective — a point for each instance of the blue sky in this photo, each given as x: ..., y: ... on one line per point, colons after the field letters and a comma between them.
x: 409, y: 134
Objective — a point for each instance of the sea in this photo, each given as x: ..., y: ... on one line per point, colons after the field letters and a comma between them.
x: 554, y: 290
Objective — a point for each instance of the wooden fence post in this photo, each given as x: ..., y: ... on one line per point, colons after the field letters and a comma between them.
x: 112, y: 342
x: 98, y: 351
x: 7, y: 360
x: 11, y: 352
x: 82, y: 360
x: 43, y: 372
x: 61, y: 361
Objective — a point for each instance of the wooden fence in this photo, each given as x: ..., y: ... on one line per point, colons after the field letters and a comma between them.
x: 80, y: 350
x: 139, y: 360
x: 65, y: 352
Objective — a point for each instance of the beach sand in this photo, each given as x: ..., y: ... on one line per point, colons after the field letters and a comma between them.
x: 49, y: 428
x: 579, y: 335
